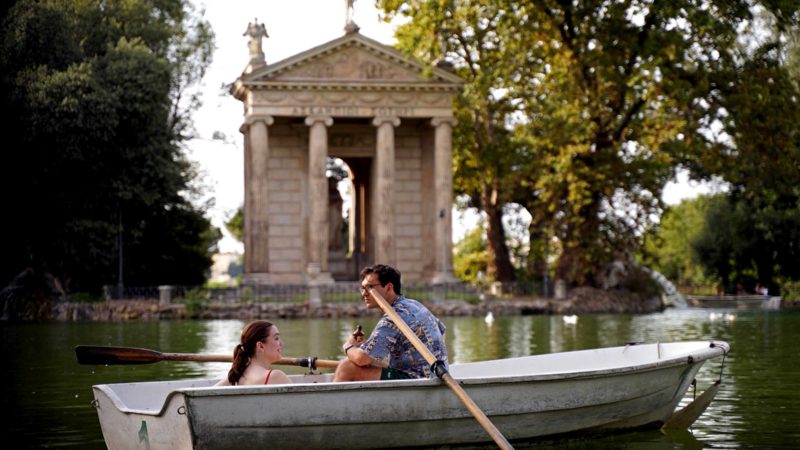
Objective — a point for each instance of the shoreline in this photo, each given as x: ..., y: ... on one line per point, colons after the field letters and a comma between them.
x: 151, y: 309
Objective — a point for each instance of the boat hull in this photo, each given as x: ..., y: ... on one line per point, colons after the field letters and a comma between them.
x: 524, y: 397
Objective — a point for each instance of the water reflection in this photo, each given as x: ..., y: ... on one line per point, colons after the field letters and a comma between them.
x: 757, y: 406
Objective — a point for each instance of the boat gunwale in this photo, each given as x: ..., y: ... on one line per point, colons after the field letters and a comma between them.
x: 714, y: 349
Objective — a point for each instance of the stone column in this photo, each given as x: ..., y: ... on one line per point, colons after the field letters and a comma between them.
x: 443, y: 175
x: 317, y: 269
x: 256, y: 211
x: 246, y: 207
x: 384, y: 252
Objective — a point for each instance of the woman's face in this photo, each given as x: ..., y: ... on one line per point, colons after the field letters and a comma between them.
x: 273, y: 345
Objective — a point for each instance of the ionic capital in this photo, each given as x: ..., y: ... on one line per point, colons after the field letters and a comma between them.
x: 436, y: 121
x: 268, y: 120
x: 326, y: 120
x: 380, y: 120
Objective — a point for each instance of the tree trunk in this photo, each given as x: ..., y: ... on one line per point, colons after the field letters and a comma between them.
x: 537, y: 251
x: 500, y: 268
x: 580, y: 261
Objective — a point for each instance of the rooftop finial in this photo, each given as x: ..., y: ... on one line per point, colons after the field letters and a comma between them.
x: 349, y: 25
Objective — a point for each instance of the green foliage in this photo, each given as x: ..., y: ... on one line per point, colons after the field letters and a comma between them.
x: 247, y: 295
x: 668, y: 246
x: 95, y: 99
x: 750, y: 236
x: 790, y: 291
x: 471, y: 258
x: 744, y: 243
x: 580, y: 111
x: 196, y: 300
x: 760, y: 100
x: 235, y: 224
x: 86, y: 297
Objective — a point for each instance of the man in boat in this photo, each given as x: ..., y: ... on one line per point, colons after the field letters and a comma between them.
x: 386, y: 354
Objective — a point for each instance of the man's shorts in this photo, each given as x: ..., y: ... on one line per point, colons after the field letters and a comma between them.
x: 388, y: 373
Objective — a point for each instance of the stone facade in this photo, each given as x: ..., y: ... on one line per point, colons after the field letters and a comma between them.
x: 389, y: 119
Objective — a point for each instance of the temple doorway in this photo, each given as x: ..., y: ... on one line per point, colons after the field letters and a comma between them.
x: 348, y: 193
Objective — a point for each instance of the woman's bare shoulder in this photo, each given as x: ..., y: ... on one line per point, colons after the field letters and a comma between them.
x: 279, y: 377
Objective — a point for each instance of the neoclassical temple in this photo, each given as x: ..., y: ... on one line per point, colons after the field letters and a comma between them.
x: 387, y: 120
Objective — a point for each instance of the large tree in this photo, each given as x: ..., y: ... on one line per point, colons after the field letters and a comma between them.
x: 96, y: 97
x: 751, y: 235
x: 475, y: 37
x: 581, y: 111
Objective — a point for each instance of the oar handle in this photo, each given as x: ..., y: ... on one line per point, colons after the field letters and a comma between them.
x: 311, y: 361
x: 462, y: 395
x: 99, y: 355
x: 195, y: 357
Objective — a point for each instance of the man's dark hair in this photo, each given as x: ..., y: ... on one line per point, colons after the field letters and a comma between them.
x: 386, y: 274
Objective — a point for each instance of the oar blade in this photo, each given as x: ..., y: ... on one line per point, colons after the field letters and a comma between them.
x: 98, y: 355
x: 684, y: 418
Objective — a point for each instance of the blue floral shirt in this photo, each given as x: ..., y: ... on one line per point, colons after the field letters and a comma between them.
x: 388, y: 341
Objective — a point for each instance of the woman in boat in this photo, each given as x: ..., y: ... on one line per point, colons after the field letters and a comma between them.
x: 260, y: 347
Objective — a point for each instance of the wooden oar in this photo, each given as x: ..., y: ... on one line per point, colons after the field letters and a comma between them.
x: 473, y: 408
x: 89, y: 354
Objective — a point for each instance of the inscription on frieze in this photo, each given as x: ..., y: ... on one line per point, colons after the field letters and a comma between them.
x: 353, y: 111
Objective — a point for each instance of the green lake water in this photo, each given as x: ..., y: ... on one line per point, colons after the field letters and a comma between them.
x: 46, y: 393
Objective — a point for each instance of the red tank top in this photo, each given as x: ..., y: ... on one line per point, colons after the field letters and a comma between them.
x: 269, y: 372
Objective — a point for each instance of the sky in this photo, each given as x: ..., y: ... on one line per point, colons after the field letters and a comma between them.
x: 293, y: 26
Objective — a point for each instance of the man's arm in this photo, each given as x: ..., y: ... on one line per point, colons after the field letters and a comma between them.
x: 355, y: 354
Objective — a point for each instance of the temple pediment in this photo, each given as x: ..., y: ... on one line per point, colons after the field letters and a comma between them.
x: 354, y: 60
x: 351, y: 63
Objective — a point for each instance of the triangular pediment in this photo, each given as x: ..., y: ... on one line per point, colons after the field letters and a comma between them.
x: 351, y: 63
x: 353, y: 58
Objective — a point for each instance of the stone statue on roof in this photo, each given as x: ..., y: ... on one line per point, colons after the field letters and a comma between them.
x: 256, y: 31
x: 349, y: 25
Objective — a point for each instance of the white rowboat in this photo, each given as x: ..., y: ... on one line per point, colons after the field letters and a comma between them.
x: 632, y: 386
x: 740, y: 302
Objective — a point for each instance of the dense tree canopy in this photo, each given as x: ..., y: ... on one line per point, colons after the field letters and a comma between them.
x: 582, y: 111
x: 751, y: 234
x: 742, y: 244
x: 96, y: 102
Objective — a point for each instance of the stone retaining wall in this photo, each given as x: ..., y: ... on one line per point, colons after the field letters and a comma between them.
x: 581, y: 302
